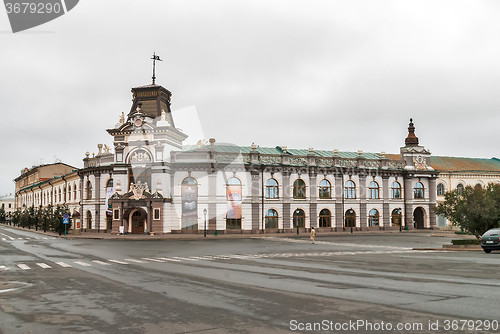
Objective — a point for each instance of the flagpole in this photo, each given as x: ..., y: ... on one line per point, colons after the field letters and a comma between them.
x: 155, y: 58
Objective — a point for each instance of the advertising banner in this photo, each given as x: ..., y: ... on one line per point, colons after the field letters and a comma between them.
x: 109, y: 193
x: 189, y: 194
x: 233, y: 202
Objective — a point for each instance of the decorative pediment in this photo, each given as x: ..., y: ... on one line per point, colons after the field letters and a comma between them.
x: 157, y: 195
x: 115, y: 196
x: 140, y: 156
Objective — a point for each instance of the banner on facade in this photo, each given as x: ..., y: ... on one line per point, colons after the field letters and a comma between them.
x: 233, y: 202
x: 189, y: 194
x: 109, y: 193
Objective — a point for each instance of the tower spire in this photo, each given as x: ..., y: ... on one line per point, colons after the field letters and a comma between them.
x: 155, y: 58
x: 411, y: 140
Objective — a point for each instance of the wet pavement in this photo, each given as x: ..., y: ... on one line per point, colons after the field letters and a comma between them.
x: 239, y: 285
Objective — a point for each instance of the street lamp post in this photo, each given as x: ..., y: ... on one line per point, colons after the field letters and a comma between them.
x: 205, y: 228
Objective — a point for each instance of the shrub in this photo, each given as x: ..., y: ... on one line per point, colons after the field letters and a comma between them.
x: 466, y: 241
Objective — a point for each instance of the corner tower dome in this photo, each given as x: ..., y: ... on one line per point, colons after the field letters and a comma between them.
x: 152, y: 99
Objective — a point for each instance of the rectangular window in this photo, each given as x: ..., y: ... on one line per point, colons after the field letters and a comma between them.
x: 116, y: 214
x: 157, y: 214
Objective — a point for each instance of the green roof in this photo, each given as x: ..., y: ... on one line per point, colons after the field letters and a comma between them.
x: 278, y: 150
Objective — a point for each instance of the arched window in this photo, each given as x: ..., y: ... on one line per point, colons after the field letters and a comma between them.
x: 272, y: 189
x: 299, y: 189
x: 299, y: 218
x: 440, y: 189
x: 396, y: 217
x: 373, y: 218
x: 418, y: 190
x: 325, y: 218
x: 233, y: 217
x: 59, y: 195
x: 109, y: 184
x: 396, y: 190
x: 460, y: 188
x: 350, y: 189
x: 373, y: 190
x: 350, y: 218
x: 478, y: 186
x: 89, y: 190
x: 271, y: 219
x: 325, y: 189
x: 69, y: 192
x: 89, y: 220
x: 74, y: 191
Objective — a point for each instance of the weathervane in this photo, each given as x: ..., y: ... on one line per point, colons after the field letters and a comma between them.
x: 155, y: 58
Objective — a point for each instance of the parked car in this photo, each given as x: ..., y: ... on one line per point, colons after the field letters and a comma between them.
x: 490, y: 240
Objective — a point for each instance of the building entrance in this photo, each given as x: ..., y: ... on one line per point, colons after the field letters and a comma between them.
x: 418, y: 217
x: 138, y: 220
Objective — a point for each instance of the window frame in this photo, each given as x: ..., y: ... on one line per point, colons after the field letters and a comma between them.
x: 419, y: 192
x: 373, y: 192
x: 299, y: 190
x: 350, y: 191
x: 324, y: 188
x: 272, y: 189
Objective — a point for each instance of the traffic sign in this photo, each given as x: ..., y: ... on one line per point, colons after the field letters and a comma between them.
x: 65, y: 221
x: 66, y: 216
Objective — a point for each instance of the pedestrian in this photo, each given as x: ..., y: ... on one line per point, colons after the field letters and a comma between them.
x: 313, y: 234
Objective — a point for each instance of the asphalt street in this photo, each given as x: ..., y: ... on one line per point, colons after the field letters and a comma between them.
x: 245, y: 285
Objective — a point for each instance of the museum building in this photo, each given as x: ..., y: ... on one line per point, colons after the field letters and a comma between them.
x: 151, y: 183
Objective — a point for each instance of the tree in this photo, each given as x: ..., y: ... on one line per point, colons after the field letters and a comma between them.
x: 2, y: 215
x: 476, y: 209
x: 57, y: 218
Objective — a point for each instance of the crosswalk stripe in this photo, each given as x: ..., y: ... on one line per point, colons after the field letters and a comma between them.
x: 184, y: 258
x: 4, y: 239
x: 83, y: 263
x: 133, y: 260
x: 119, y: 262
x: 169, y: 259
x: 153, y: 260
x: 44, y: 265
x: 23, y: 266
x: 4, y: 268
x: 101, y: 262
x: 62, y: 264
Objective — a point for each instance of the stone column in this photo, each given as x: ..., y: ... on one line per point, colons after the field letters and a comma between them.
x: 212, y: 202
x: 339, y: 203
x: 386, y: 219
x: 408, y: 200
x: 287, y: 223
x: 363, y: 219
x: 313, y: 206
x: 256, y: 201
x: 433, y: 202
x: 98, y: 200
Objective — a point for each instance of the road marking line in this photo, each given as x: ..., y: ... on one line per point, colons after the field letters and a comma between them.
x: 8, y: 236
x: 133, y: 260
x: 4, y: 268
x: 62, y: 264
x: 23, y: 266
x: 4, y: 239
x: 154, y: 260
x: 44, y: 265
x: 100, y: 262
x: 169, y: 259
x: 183, y: 258
x: 116, y: 261
x: 83, y: 264
x: 19, y: 239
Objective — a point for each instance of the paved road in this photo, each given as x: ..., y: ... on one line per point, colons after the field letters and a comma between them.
x: 251, y: 285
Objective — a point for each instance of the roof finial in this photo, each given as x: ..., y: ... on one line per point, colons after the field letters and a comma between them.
x: 155, y: 58
x: 411, y: 140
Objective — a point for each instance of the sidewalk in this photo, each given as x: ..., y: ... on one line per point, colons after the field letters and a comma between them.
x: 211, y: 236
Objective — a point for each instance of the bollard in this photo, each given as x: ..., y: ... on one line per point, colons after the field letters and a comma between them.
x: 351, y: 229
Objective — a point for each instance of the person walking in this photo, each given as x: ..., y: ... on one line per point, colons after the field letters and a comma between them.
x: 313, y: 234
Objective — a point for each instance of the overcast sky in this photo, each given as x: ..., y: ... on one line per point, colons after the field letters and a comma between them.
x: 321, y: 74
